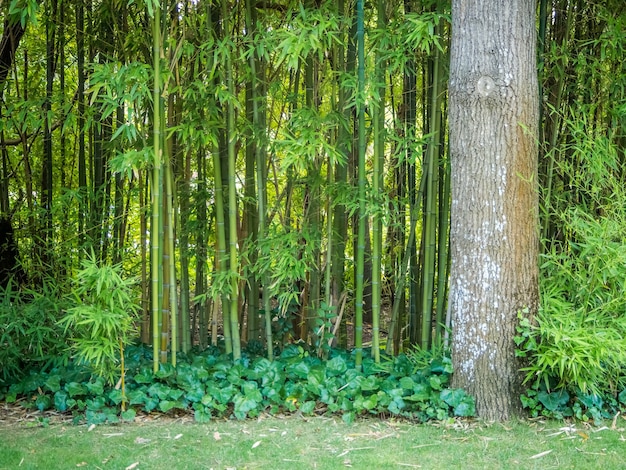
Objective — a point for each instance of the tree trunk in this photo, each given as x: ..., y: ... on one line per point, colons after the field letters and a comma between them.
x: 494, y: 243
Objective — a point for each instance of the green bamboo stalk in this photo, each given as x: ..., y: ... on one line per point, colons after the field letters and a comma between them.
x: 360, y: 254
x: 183, y: 201
x: 346, y: 63
x: 232, y: 197
x: 220, y: 255
x: 201, y: 248
x: 443, y: 252
x: 431, y: 172
x: 377, y: 187
x: 259, y: 123
x: 170, y: 266
x: 156, y: 226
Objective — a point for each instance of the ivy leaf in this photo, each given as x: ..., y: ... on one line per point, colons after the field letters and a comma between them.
x: 466, y: 408
x: 591, y: 401
x: 307, y: 407
x: 622, y: 396
x: 167, y: 405
x: 137, y: 397
x: 60, y: 401
x: 435, y: 382
x: 299, y: 369
x: 129, y: 415
x: 75, y: 389
x: 96, y: 387
x: 243, y: 405
x: 202, y: 415
x: 53, y: 383
x: 453, y: 397
x: 43, y: 402
x: 370, y: 384
x: 349, y: 417
x: 336, y: 366
x: 552, y: 401
x: 165, y: 371
x: 144, y: 377
x: 407, y: 383
x: 115, y: 396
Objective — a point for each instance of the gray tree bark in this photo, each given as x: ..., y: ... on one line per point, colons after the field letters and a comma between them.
x: 493, y: 118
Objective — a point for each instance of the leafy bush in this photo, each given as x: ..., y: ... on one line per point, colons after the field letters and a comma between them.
x: 29, y: 334
x: 101, y: 322
x: 210, y: 384
x: 579, y: 340
x: 576, y: 346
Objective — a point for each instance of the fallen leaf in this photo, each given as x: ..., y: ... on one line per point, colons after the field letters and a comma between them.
x: 256, y: 444
x: 178, y: 436
x: 82, y: 464
x: 132, y: 465
x: 91, y: 428
x: 216, y: 436
x: 141, y: 440
x: 541, y: 454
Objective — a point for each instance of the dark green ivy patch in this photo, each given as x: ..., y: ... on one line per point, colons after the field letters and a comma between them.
x: 210, y: 384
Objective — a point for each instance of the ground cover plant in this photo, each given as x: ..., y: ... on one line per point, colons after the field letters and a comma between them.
x: 313, y: 442
x: 210, y: 384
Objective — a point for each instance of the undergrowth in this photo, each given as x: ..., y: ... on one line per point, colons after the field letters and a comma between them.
x: 210, y: 385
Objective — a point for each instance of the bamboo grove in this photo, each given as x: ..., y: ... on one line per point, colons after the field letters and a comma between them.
x: 272, y: 171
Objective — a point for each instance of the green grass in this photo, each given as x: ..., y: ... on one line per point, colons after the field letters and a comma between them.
x: 322, y: 443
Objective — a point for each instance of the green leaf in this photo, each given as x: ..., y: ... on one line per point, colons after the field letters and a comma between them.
x: 96, y: 387
x: 75, y: 389
x: 466, y: 408
x: 307, y: 407
x: 348, y: 417
x: 407, y: 383
x: 435, y: 382
x: 97, y: 403
x: 243, y: 405
x: 202, y: 416
x: 43, y: 402
x: 316, y: 376
x: 591, y: 400
x: 137, y: 397
x: 622, y: 397
x: 60, y: 401
x: 53, y: 383
x: 299, y: 369
x: 150, y: 403
x: 250, y: 390
x: 370, y: 384
x: 421, y: 393
x: 129, y: 415
x: 165, y: 371
x: 144, y: 377
x: 167, y: 405
x: 336, y: 366
x: 552, y: 401
x: 115, y: 396
x: 370, y: 402
x: 453, y: 397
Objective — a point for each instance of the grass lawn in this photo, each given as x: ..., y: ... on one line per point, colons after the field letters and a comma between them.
x: 295, y: 443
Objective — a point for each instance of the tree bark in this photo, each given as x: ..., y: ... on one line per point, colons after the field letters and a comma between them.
x: 494, y: 228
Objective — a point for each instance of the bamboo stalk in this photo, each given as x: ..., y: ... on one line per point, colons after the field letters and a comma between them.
x: 156, y: 189
x: 360, y: 254
x: 232, y: 198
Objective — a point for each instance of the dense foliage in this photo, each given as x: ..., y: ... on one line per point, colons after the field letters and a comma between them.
x: 277, y: 173
x: 208, y: 384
